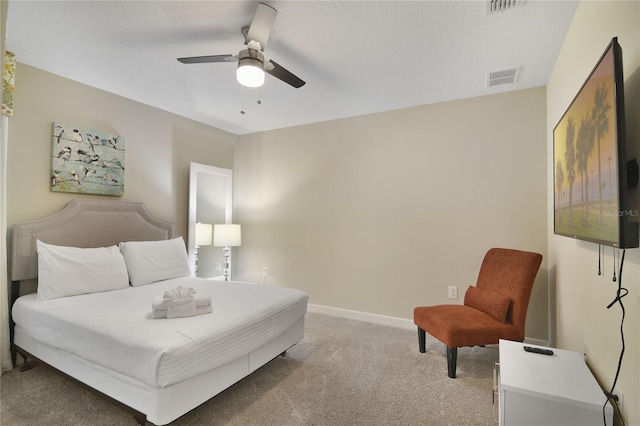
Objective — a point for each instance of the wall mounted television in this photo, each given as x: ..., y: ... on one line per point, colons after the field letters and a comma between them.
x: 589, y: 160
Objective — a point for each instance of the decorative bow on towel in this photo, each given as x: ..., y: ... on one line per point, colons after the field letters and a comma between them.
x: 179, y: 293
x: 180, y: 302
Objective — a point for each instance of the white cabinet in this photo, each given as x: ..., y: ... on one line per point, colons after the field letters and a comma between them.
x: 556, y: 389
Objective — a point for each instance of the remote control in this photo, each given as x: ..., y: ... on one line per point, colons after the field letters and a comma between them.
x: 538, y: 350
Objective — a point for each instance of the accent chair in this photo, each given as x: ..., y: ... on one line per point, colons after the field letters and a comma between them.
x: 495, y: 308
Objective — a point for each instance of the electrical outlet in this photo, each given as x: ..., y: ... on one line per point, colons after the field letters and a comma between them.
x: 453, y: 292
x: 265, y: 271
x: 218, y: 267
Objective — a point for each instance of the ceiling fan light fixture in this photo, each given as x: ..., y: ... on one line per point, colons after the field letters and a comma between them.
x: 251, y: 65
x: 250, y: 75
x: 250, y: 72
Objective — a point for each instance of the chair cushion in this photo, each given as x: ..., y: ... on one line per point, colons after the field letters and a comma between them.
x: 487, y: 301
x: 460, y: 325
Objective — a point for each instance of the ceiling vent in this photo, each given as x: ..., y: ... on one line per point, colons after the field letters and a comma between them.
x: 508, y: 76
x: 494, y: 6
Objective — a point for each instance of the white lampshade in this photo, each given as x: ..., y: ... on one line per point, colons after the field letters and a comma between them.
x: 227, y: 235
x: 204, y: 234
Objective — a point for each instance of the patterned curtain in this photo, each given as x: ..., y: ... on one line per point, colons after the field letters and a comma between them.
x: 8, y: 61
x: 8, y: 82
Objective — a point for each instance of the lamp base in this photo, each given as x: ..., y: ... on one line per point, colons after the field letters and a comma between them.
x: 195, y: 269
x: 227, y: 268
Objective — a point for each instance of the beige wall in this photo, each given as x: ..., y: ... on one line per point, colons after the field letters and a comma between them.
x: 159, y: 146
x: 580, y: 295
x: 381, y: 213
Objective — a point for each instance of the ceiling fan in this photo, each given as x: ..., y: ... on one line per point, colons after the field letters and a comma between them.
x: 251, y: 64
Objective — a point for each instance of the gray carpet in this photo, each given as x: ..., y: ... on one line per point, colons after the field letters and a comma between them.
x: 344, y: 372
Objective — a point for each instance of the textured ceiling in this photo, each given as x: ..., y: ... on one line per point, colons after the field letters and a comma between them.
x: 357, y: 57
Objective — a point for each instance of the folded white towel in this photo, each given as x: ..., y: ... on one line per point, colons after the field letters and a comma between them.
x: 181, y: 308
x: 162, y: 313
x: 180, y: 302
x: 160, y: 303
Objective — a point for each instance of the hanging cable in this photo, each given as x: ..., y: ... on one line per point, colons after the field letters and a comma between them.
x: 599, y: 259
x: 620, y: 293
x: 614, y: 264
x: 242, y: 111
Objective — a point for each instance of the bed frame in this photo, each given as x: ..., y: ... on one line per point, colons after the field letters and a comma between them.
x: 86, y: 223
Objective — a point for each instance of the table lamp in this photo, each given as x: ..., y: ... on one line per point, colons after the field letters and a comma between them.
x: 227, y: 236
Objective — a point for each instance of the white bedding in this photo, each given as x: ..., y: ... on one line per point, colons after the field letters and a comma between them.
x: 114, y: 329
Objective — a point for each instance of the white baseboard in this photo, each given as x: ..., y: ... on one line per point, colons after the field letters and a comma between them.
x: 406, y: 324
x: 363, y: 316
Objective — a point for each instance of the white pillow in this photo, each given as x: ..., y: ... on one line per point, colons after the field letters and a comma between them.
x: 68, y: 271
x: 151, y: 261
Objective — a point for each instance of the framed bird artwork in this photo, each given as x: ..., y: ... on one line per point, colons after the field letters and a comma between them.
x: 86, y: 161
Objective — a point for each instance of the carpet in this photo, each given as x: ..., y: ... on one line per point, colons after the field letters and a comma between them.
x: 344, y: 372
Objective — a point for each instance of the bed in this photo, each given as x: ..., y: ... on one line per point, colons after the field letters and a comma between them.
x: 109, y: 341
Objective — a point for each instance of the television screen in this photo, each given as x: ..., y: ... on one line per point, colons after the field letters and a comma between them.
x: 589, y: 159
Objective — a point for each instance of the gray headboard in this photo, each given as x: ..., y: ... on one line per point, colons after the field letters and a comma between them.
x: 84, y: 223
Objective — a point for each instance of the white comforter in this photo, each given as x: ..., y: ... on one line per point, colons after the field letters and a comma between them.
x: 114, y: 329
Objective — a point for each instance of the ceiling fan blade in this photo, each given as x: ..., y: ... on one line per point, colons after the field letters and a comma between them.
x: 283, y: 74
x: 207, y: 59
x: 261, y: 25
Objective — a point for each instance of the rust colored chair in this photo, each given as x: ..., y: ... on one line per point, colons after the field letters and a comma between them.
x: 496, y: 308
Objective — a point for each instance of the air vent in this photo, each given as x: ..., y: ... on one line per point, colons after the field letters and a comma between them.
x: 497, y: 78
x: 494, y: 6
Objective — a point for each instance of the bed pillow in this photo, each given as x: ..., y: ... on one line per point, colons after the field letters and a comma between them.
x: 495, y: 304
x: 151, y: 261
x: 69, y: 271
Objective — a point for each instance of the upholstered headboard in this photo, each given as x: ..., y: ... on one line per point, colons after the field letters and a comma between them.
x: 84, y: 223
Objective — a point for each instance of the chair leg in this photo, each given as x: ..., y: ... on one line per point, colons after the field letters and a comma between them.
x: 421, y: 340
x: 452, y: 358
